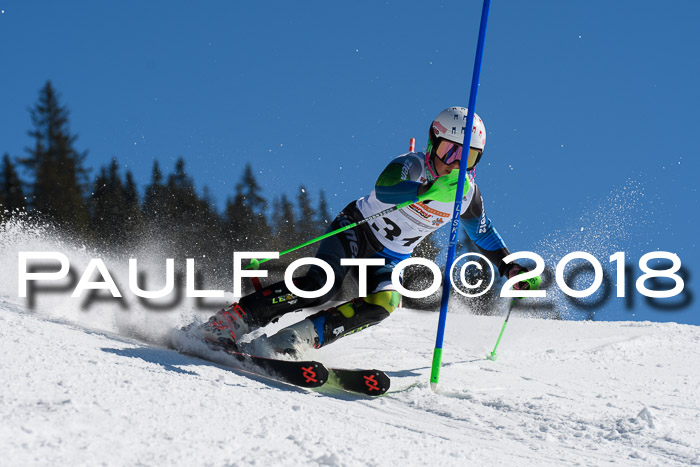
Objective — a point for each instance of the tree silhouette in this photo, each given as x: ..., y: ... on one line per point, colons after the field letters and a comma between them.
x: 192, y: 223
x: 59, y: 177
x: 283, y: 218
x: 246, y: 216
x: 154, y: 198
x: 11, y: 192
x: 132, y: 217
x: 306, y: 228
x: 323, y: 216
x: 250, y: 190
x: 115, y: 214
x: 237, y: 229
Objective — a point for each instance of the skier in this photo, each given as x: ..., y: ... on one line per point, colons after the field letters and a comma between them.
x: 430, y: 176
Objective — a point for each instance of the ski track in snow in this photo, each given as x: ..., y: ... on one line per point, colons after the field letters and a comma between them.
x: 560, y: 393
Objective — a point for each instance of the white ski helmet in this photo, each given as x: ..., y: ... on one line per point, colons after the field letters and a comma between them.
x: 450, y: 125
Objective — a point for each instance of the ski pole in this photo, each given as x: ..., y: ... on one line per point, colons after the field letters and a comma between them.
x: 255, y: 263
x: 493, y: 356
x: 454, y: 227
x: 534, y: 284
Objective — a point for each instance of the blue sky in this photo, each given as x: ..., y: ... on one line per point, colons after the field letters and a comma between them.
x: 590, y: 107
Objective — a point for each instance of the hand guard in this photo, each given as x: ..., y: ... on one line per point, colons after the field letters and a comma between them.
x: 443, y: 189
x: 516, y: 269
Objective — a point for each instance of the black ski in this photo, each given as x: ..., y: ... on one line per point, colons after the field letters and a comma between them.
x: 369, y: 382
x: 310, y: 373
x: 313, y: 374
x: 306, y: 374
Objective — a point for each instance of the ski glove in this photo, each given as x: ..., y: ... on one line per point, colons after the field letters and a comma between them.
x: 516, y: 269
x: 443, y: 188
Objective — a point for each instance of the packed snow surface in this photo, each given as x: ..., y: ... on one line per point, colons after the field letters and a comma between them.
x: 77, y: 390
x: 92, y: 386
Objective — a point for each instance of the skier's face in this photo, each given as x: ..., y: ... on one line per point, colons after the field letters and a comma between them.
x: 443, y: 169
x: 449, y: 153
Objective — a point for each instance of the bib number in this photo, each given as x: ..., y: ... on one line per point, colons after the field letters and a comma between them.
x: 392, y: 232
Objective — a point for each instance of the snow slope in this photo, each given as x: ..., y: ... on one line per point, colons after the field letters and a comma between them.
x: 561, y: 393
x: 76, y: 388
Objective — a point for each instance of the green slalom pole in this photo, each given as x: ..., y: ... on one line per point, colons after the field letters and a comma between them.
x: 255, y: 263
x: 534, y: 284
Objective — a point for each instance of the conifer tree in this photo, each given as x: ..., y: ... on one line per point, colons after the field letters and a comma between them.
x: 187, y: 222
x: 237, y: 228
x: 98, y: 208
x: 109, y: 207
x: 132, y: 217
x: 59, y: 177
x: 306, y: 226
x: 154, y: 198
x: 11, y: 190
x: 250, y: 189
x: 323, y: 216
x: 249, y: 209
x: 183, y: 206
x: 213, y: 237
x: 284, y: 224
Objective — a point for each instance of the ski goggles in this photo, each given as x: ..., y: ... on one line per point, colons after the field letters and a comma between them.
x: 449, y: 152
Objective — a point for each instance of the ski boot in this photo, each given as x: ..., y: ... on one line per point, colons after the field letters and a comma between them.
x: 329, y: 325
x: 292, y: 340
x: 226, y: 327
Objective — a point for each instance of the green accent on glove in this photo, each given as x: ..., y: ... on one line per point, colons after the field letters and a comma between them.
x: 534, y: 282
x: 444, y: 189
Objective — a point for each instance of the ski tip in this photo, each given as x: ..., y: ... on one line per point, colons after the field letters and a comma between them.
x: 434, y: 387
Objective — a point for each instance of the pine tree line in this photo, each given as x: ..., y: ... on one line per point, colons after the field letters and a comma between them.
x: 108, y: 211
